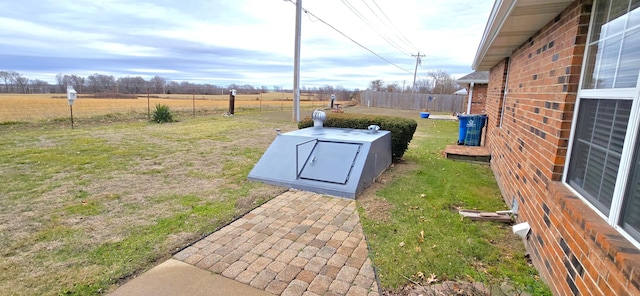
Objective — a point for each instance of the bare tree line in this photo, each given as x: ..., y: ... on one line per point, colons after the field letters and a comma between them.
x: 437, y: 82
x: 14, y: 82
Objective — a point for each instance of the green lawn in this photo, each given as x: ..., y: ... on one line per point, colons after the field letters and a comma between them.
x: 421, y: 232
x: 83, y: 209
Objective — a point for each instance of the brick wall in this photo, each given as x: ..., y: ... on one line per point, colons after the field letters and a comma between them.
x: 479, y: 98
x: 575, y: 250
x: 495, y: 94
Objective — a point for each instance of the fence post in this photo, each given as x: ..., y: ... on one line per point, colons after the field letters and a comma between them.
x: 148, y: 106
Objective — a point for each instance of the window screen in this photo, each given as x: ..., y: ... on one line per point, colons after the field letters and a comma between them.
x: 597, y: 146
x: 630, y: 220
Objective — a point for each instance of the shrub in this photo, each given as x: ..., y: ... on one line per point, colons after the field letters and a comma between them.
x: 401, y: 129
x: 162, y: 114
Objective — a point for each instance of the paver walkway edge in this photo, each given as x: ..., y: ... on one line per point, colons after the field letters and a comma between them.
x: 298, y: 243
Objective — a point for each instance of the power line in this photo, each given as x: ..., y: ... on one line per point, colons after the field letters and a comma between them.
x: 368, y: 23
x: 351, y: 39
x: 404, y: 38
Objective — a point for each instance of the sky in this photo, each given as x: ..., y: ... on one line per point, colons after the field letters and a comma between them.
x: 346, y: 43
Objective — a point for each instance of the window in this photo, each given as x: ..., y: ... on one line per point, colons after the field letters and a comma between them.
x: 630, y: 220
x: 597, y: 148
x: 613, y: 57
x: 604, y: 159
x: 505, y: 91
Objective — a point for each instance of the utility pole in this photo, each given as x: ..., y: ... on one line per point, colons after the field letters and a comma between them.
x: 296, y: 64
x: 416, y: 70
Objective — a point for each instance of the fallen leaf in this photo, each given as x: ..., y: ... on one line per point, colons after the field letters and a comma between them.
x: 401, y: 244
x: 420, y: 275
x: 432, y: 279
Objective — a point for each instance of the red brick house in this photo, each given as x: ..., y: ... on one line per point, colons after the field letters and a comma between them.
x: 476, y: 84
x: 563, y: 107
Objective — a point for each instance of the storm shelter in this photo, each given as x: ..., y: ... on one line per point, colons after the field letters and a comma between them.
x: 333, y: 161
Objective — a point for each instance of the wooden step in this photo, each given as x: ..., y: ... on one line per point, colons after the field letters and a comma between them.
x: 479, y: 154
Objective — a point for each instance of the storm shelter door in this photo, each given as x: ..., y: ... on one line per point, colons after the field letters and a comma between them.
x: 327, y: 161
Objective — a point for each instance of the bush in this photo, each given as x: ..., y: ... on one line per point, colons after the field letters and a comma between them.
x: 162, y: 114
x: 401, y: 129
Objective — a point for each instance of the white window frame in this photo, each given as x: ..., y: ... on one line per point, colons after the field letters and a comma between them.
x: 506, y: 92
x: 631, y: 138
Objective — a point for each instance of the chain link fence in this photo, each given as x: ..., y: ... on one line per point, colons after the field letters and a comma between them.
x: 34, y: 107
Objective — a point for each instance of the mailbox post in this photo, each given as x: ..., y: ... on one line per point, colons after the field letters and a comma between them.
x: 71, y: 97
x: 232, y: 99
x: 333, y: 98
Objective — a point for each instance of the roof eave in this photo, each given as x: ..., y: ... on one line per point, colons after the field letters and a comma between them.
x: 467, y: 81
x: 494, y: 23
x: 510, y: 24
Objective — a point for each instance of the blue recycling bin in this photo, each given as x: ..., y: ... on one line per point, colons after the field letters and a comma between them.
x: 470, y: 129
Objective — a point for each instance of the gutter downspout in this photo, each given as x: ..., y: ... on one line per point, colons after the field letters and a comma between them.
x: 470, y: 97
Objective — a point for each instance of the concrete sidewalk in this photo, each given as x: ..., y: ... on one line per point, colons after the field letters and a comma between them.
x: 443, y: 117
x: 175, y: 277
x: 299, y: 243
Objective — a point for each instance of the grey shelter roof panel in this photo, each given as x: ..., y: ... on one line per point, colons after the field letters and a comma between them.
x: 332, y: 161
x: 303, y: 152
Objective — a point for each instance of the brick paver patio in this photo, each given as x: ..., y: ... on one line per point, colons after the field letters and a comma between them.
x: 299, y: 243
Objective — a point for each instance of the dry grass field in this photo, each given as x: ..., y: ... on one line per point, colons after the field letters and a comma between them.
x: 17, y: 107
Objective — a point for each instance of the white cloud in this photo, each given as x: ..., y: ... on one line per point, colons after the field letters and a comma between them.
x: 243, y: 41
x: 121, y: 48
x: 152, y: 71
